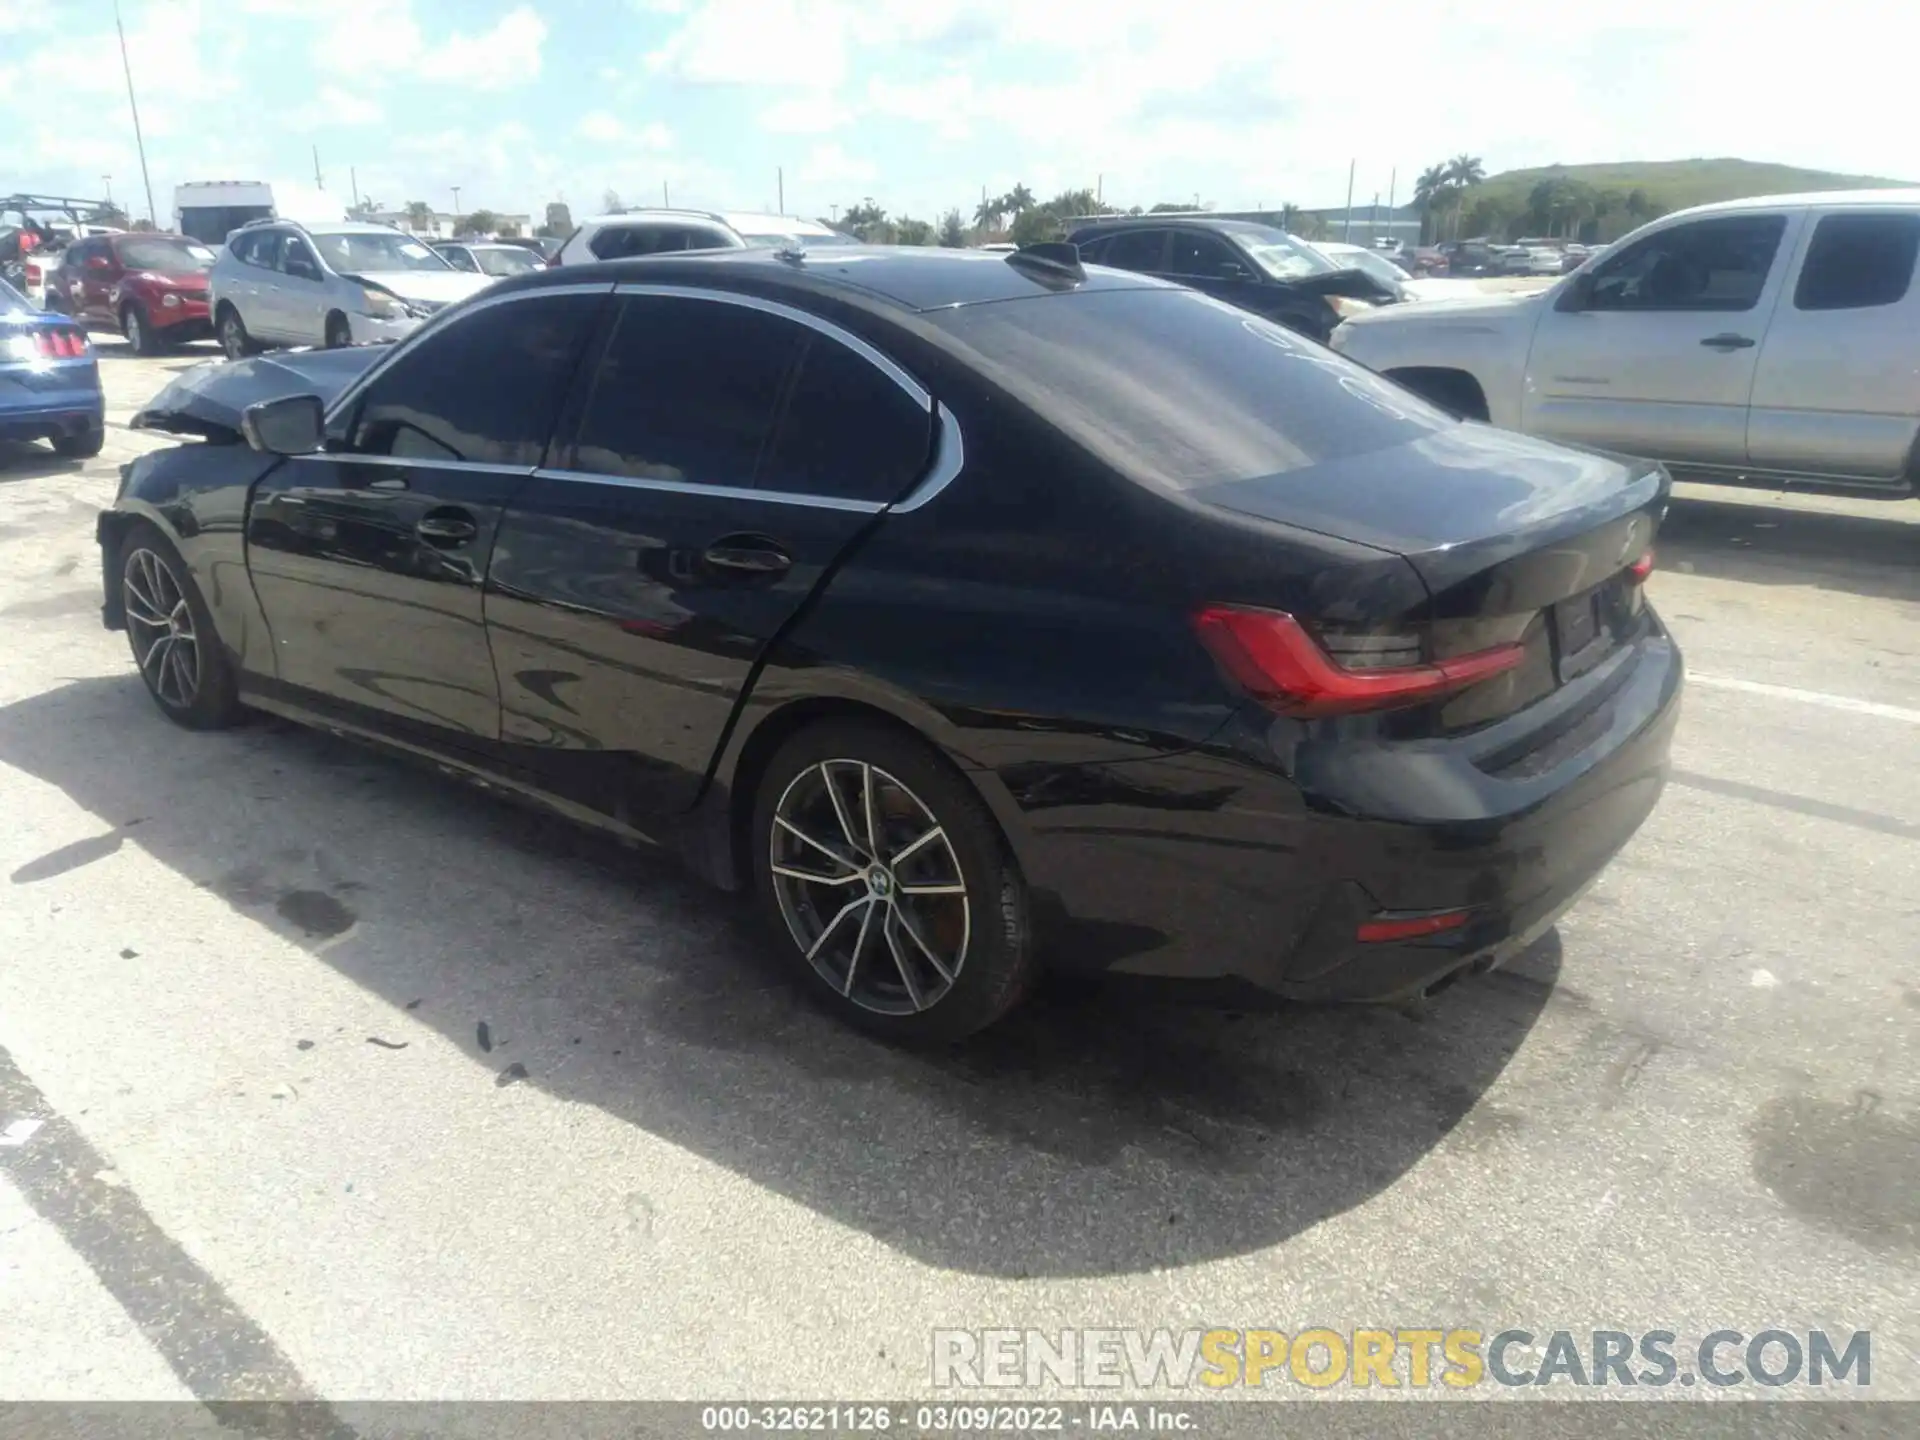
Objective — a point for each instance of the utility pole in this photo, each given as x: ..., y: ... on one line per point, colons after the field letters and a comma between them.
x: 106, y: 182
x: 318, y: 182
x: 780, y: 181
x: 139, y: 143
x: 1099, y: 190
x: 456, y: 203
x: 666, y: 200
x: 353, y: 181
x: 1346, y: 228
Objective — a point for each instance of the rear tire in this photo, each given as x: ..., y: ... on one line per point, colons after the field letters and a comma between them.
x: 1453, y: 392
x: 231, y: 330
x: 81, y: 446
x: 919, y: 935
x: 339, y: 333
x: 171, y: 632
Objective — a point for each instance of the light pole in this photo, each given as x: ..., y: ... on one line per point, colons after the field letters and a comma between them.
x: 139, y: 143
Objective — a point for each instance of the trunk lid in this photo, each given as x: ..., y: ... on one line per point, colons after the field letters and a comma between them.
x: 1516, y: 540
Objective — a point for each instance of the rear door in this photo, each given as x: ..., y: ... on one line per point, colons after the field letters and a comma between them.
x: 1659, y: 360
x: 91, y: 275
x: 718, y: 459
x: 369, y: 558
x: 1833, y: 392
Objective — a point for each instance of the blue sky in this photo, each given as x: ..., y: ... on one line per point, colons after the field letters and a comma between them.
x: 921, y: 103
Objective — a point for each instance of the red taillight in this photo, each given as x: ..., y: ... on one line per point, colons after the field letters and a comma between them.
x: 1411, y: 927
x: 59, y: 344
x: 34, y: 273
x: 1277, y: 662
x: 1641, y: 568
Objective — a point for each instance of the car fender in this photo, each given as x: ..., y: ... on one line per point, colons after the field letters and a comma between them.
x: 1488, y: 340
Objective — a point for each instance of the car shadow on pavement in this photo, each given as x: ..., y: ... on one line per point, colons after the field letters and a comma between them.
x: 1755, y: 543
x: 20, y: 461
x: 1099, y: 1130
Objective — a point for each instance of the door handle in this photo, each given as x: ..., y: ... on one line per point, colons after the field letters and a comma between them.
x: 747, y: 555
x: 1728, y: 342
x: 446, y: 529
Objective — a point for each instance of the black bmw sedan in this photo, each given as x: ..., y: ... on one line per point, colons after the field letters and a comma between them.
x: 976, y: 613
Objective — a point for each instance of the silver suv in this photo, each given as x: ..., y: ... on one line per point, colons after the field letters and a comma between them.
x: 654, y: 232
x: 280, y: 283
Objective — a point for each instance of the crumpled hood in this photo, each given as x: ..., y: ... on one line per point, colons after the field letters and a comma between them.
x: 439, y: 287
x: 209, y: 399
x: 1472, y: 309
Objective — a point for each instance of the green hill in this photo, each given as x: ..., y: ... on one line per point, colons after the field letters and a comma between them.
x: 1676, y: 184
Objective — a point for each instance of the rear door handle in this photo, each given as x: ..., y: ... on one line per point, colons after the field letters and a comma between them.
x: 747, y: 555
x: 446, y: 528
x: 1728, y: 342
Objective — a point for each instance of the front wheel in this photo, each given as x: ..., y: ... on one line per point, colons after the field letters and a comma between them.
x: 339, y: 334
x: 234, y: 340
x: 172, y: 635
x: 890, y: 884
x: 139, y: 331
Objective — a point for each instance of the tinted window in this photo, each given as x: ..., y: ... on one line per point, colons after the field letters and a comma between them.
x: 1855, y: 261
x: 1183, y: 390
x: 687, y: 391
x: 847, y: 430
x: 1706, y: 265
x: 297, y: 259
x: 1136, y: 250
x: 482, y: 389
x: 1200, y: 256
x: 617, y: 242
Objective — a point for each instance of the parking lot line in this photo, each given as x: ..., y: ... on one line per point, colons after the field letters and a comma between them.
x: 1808, y: 697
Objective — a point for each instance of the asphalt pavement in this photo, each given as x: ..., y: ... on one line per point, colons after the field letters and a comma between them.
x: 324, y: 1077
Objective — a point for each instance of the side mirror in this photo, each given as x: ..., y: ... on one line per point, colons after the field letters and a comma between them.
x: 293, y: 425
x: 1578, y: 295
x: 1234, y: 270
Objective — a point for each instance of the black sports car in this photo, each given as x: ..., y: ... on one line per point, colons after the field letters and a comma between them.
x: 976, y: 612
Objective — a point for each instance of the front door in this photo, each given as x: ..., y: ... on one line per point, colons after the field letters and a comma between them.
x: 1657, y: 358
x: 300, y: 298
x: 369, y: 558
x: 1209, y: 263
x: 725, y: 455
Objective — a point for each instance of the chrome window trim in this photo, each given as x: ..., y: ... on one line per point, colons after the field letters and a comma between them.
x: 452, y: 313
x: 916, y: 392
x: 719, y: 492
x: 471, y: 467
x: 949, y: 458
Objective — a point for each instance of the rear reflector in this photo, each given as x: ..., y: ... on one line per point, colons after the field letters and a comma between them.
x: 1413, y: 927
x: 1276, y: 661
x: 1641, y: 568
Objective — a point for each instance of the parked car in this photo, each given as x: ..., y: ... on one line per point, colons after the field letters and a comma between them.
x: 151, y: 288
x: 1252, y: 266
x: 653, y: 232
x: 488, y: 257
x: 49, y: 379
x: 1281, y: 673
x: 1770, y: 339
x: 280, y: 283
x: 1406, y: 287
x: 1472, y: 259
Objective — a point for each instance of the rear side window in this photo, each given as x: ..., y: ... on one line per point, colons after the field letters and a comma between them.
x: 1858, y: 261
x: 484, y: 389
x: 1136, y: 250
x: 846, y: 430
x: 1183, y: 391
x: 619, y: 242
x: 687, y: 392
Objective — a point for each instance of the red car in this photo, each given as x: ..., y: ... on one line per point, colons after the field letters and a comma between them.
x: 151, y: 288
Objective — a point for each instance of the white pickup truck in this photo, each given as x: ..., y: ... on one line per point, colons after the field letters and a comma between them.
x: 1772, y: 340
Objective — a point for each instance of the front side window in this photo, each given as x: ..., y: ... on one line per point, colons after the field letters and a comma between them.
x: 687, y: 392
x: 296, y: 259
x: 483, y: 389
x: 1705, y: 265
x: 1855, y: 262
x: 1143, y: 250
x: 1199, y: 256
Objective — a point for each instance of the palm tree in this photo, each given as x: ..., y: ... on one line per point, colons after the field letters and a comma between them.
x: 1017, y: 200
x: 987, y: 214
x: 1429, y: 192
x: 1289, y: 215
x: 419, y: 216
x: 1463, y: 173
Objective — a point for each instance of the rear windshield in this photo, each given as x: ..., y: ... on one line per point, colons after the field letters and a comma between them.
x: 1178, y: 389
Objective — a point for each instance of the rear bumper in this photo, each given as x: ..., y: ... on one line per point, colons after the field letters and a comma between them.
x: 66, y: 414
x: 1272, y: 884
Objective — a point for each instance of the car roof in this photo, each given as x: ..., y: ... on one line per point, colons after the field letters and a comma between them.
x: 1167, y: 218
x: 338, y: 227
x: 905, y: 277
x: 1825, y: 199
x: 753, y: 222
x: 653, y: 216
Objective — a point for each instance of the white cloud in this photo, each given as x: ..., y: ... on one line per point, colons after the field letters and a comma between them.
x: 496, y: 59
x: 812, y: 114
x: 337, y: 106
x: 605, y: 128
x: 829, y: 165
